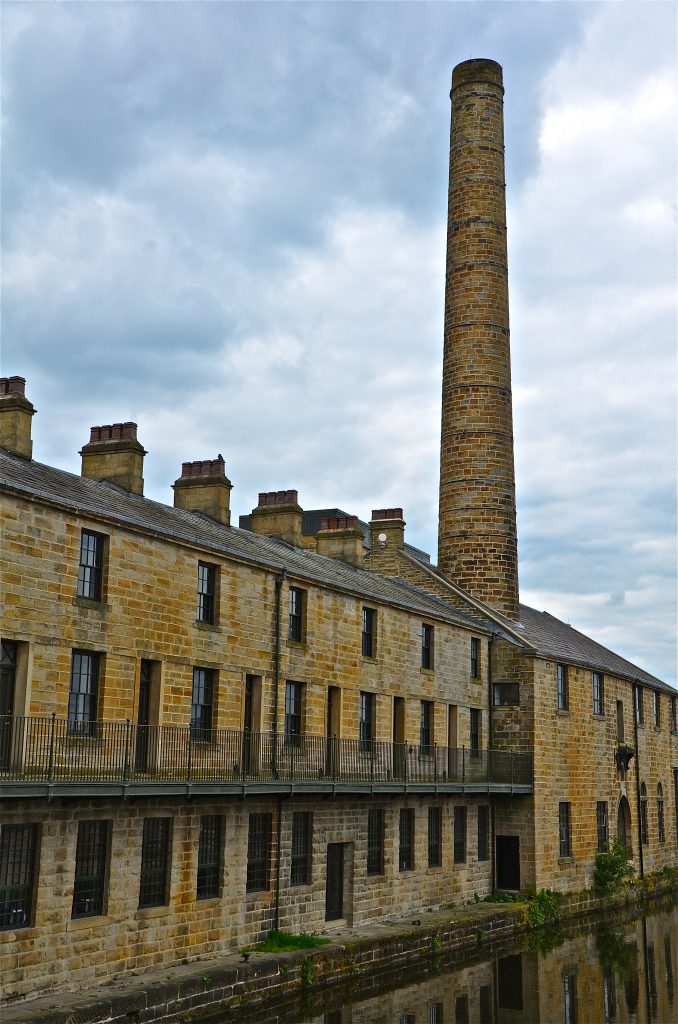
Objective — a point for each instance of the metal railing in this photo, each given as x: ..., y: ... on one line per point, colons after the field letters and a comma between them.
x: 55, y: 749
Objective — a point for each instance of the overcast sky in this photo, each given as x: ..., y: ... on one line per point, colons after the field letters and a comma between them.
x: 226, y: 221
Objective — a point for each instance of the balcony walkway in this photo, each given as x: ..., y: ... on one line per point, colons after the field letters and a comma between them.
x: 50, y: 756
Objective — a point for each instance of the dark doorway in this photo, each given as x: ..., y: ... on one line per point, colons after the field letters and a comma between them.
x: 7, y: 693
x: 510, y: 982
x: 334, y: 899
x: 508, y: 862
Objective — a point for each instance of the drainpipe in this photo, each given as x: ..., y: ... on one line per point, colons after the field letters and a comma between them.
x: 490, y: 740
x: 635, y: 738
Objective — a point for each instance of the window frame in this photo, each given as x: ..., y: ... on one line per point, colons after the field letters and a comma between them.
x: 294, y: 713
x: 564, y: 829
x: 406, y: 837
x: 427, y: 646
x: 661, y: 826
x: 657, y: 709
x: 83, y: 702
x: 475, y: 664
x: 156, y: 855
x: 598, y: 693
x: 475, y: 731
x: 369, y: 632
x: 259, y: 845
x: 19, y: 853
x: 206, y: 612
x: 202, y: 704
x: 376, y: 832
x: 366, y: 719
x: 460, y: 823
x: 90, y: 888
x: 511, y: 690
x: 208, y: 881
x: 301, y: 848
x: 297, y: 606
x: 435, y: 837
x: 562, y: 687
x: 638, y: 705
x: 91, y: 566
x: 602, y: 827
x: 426, y: 728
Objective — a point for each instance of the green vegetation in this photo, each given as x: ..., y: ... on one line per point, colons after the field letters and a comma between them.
x: 615, y: 951
x: 612, y: 870
x: 544, y: 908
x: 501, y: 897
x: 284, y: 942
x: 307, y: 973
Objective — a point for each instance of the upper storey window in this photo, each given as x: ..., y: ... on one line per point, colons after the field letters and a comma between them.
x: 640, y: 712
x: 562, y: 694
x: 296, y: 614
x: 657, y: 710
x: 369, y: 632
x: 475, y: 658
x: 426, y: 646
x: 207, y: 587
x: 597, y: 693
x: 91, y: 565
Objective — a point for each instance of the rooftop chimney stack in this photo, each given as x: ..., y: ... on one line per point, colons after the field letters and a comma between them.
x: 477, y: 537
x: 279, y: 515
x: 204, y: 487
x: 341, y: 537
x: 16, y: 413
x: 114, y: 454
x: 387, y: 538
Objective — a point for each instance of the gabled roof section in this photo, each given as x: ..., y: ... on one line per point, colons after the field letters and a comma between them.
x: 561, y: 642
x: 105, y: 501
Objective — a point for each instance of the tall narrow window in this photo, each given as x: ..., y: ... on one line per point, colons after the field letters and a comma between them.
x: 620, y: 721
x: 674, y: 722
x: 155, y: 855
x: 570, y: 998
x: 202, y: 703
x: 660, y: 814
x: 640, y: 714
x: 207, y: 585
x: 89, y: 886
x: 258, y: 852
x: 82, y: 697
x: 90, y: 566
x: 597, y: 693
x: 426, y: 728
x: 296, y: 631
x: 8, y: 735
x: 406, y: 846
x: 210, y: 842
x: 475, y: 731
x: 601, y: 825
x: 657, y: 710
x: 475, y: 658
x: 302, y: 831
x: 366, y: 720
x: 564, y: 830
x: 293, y: 712
x: 369, y: 632
x: 18, y: 851
x: 375, y: 842
x: 459, y: 835
x: 483, y: 832
x: 561, y: 687
x: 643, y: 814
x: 435, y: 837
x: 426, y: 646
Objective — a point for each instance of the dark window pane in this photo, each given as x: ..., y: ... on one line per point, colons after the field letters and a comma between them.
x: 202, y: 699
x: 89, y: 886
x: 564, y: 830
x: 475, y: 730
x: 302, y: 831
x: 366, y: 720
x: 601, y: 825
x: 89, y: 568
x: 459, y: 835
x: 155, y: 849
x: 258, y: 852
x: 82, y: 697
x: 426, y: 727
x: 375, y: 842
x: 293, y: 709
x: 435, y: 837
x: 561, y: 687
x: 506, y: 695
x: 475, y: 658
x: 207, y: 576
x: 18, y: 848
x: 368, y: 632
x: 406, y: 849
x: 209, y: 857
x: 296, y: 628
x: 426, y: 646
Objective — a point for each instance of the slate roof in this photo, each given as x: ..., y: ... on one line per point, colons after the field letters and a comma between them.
x: 561, y: 642
x: 99, y: 498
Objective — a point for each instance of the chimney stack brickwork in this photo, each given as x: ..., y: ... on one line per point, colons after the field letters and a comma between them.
x: 477, y: 539
x: 113, y: 453
x: 16, y: 413
x: 279, y: 515
x: 204, y: 487
x: 341, y: 537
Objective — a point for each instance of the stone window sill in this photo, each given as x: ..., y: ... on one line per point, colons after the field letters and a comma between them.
x: 86, y: 602
x: 300, y: 645
x: 427, y: 671
x: 566, y: 862
x: 208, y: 627
x: 565, y: 712
x: 600, y: 715
x: 92, y: 921
x: 151, y: 912
x: 369, y: 659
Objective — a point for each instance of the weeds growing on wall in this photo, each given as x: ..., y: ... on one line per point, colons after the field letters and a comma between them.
x: 543, y: 908
x: 612, y: 870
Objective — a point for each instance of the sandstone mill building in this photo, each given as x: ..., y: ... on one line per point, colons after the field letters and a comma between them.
x: 207, y: 730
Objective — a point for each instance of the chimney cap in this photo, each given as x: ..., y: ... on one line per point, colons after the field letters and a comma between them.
x: 478, y: 69
x: 339, y: 523
x: 268, y: 498
x: 386, y: 513
x: 113, y: 432
x: 12, y: 386
x: 204, y: 467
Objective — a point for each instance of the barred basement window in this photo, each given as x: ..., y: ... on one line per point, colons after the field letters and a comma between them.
x: 155, y: 855
x: 368, y: 636
x: 258, y: 852
x: 375, y: 842
x: 564, y: 830
x: 597, y: 681
x: 90, y: 566
x: 506, y: 695
x: 483, y: 832
x: 202, y: 698
x: 601, y: 825
x: 209, y: 857
x: 475, y: 658
x: 89, y: 886
x: 435, y: 837
x: 207, y: 588
x: 406, y: 847
x: 18, y: 854
x: 435, y: 1013
x: 296, y: 628
x: 82, y: 697
x: 302, y: 831
x: 426, y: 646
x: 459, y: 835
x: 562, y: 688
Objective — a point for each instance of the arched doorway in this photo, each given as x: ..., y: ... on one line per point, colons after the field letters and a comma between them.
x: 624, y: 824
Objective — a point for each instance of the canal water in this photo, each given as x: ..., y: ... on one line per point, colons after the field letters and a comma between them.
x: 614, y: 969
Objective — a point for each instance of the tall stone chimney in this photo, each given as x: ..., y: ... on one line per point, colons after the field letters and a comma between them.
x: 204, y: 487
x: 16, y: 413
x: 114, y: 453
x: 477, y: 544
